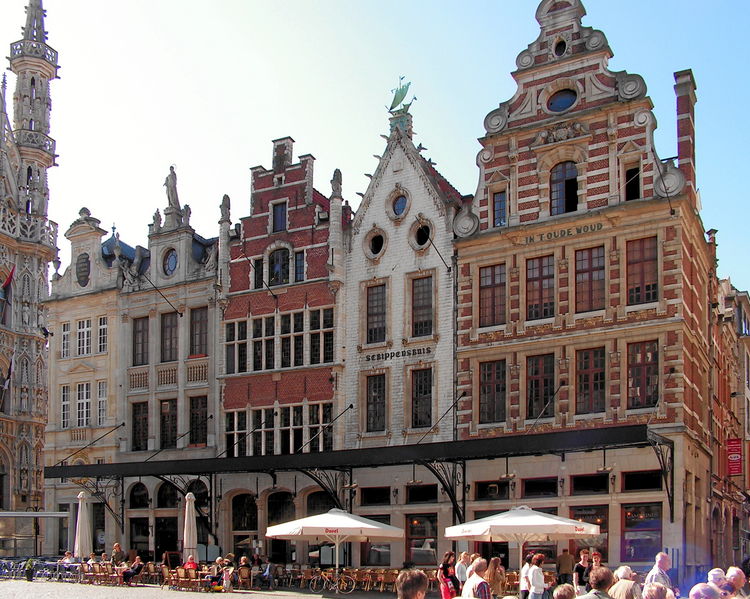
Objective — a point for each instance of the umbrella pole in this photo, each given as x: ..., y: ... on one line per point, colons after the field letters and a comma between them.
x: 338, y: 541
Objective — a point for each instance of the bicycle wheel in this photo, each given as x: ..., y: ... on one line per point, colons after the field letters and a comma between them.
x: 346, y: 584
x: 317, y: 584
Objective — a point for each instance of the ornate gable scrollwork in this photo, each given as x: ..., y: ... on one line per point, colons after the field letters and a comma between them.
x: 497, y: 120
x: 561, y: 132
x: 466, y: 222
x: 630, y: 86
x: 669, y: 181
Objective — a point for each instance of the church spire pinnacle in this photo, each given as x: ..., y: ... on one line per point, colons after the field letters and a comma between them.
x: 34, y: 30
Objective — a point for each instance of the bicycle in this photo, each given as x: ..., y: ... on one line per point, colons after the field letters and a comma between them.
x: 331, y: 581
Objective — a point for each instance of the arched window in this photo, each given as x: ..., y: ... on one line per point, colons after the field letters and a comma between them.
x: 564, y: 188
x: 319, y: 502
x: 244, y: 513
x: 31, y: 124
x: 138, y: 496
x: 33, y: 89
x: 29, y: 175
x: 280, y: 507
x: 167, y: 496
x: 278, y: 267
x: 198, y: 488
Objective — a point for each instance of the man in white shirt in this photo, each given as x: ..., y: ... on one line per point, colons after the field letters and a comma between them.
x: 658, y: 573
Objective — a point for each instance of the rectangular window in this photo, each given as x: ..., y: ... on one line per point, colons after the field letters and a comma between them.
x: 299, y: 266
x: 375, y: 496
x: 168, y: 423
x: 320, y: 432
x: 376, y: 314
x: 643, y: 374
x: 421, y: 398
x: 321, y: 336
x: 263, y: 431
x: 169, y: 337
x: 492, y: 295
x: 377, y: 554
x: 279, y: 217
x: 199, y: 331
x: 643, y: 271
x: 422, y: 536
x: 491, y: 489
x: 589, y: 484
x: 421, y: 307
x: 540, y: 487
x: 236, y: 433
x: 643, y: 480
x: 632, y: 183
x: 540, y: 287
x: 590, y: 279
x: 65, y: 406
x: 258, y: 273
x: 499, y: 209
x: 593, y: 514
x: 298, y: 339
x: 101, y: 402
x: 140, y: 426
x: 375, y: 403
x: 65, y: 340
x: 641, y: 532
x: 421, y: 493
x: 492, y: 383
x: 291, y: 429
x: 236, y: 346
x: 540, y: 382
x: 590, y: 381
x: 102, y: 335
x: 83, y: 336
x: 83, y: 404
x: 199, y: 420
x: 140, y: 341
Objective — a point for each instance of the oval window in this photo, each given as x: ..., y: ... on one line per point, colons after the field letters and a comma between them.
x: 422, y: 235
x: 376, y: 244
x: 562, y: 100
x: 399, y: 205
x: 170, y: 262
x: 560, y: 48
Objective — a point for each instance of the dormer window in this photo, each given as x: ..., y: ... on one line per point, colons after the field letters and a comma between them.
x: 563, y: 188
x: 278, y: 215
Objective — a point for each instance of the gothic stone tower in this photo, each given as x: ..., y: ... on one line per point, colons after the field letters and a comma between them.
x: 27, y: 245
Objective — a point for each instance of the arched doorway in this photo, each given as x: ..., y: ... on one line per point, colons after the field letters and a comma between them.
x: 139, y: 531
x: 280, y: 509
x: 199, y: 489
x: 165, y: 520
x: 319, y: 502
x: 244, y: 525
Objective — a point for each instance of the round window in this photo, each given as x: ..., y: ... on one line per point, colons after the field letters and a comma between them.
x: 422, y: 235
x: 376, y: 244
x: 560, y: 48
x: 562, y: 100
x: 170, y: 262
x: 399, y: 205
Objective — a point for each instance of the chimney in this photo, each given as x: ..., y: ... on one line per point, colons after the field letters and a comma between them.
x: 282, y: 154
x: 684, y: 89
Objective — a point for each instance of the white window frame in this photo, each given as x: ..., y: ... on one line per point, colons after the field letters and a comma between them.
x: 101, y: 402
x: 83, y: 337
x: 102, y: 335
x: 83, y: 404
x: 65, y: 406
x: 65, y: 340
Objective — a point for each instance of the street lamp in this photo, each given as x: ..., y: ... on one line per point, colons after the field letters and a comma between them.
x: 35, y: 508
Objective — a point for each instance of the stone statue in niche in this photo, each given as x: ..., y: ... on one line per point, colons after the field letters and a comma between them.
x: 212, y: 256
x: 171, y: 184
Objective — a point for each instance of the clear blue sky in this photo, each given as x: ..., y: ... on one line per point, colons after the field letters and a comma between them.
x: 206, y: 85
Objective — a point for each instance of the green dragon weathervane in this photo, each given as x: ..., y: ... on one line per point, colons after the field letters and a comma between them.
x: 399, y: 94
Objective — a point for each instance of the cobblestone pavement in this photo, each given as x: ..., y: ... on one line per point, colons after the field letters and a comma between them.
x: 20, y: 589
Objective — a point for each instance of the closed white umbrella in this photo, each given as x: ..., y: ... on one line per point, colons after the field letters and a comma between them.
x: 335, y: 526
x: 190, y: 529
x: 82, y: 547
x: 521, y: 524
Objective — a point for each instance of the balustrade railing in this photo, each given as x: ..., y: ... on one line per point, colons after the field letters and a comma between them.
x: 166, y: 376
x: 197, y: 371
x: 137, y: 379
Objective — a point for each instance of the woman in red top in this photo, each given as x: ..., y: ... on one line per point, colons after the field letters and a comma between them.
x: 190, y: 564
x: 446, y: 575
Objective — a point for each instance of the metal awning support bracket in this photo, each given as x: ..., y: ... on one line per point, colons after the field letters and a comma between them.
x: 664, y: 450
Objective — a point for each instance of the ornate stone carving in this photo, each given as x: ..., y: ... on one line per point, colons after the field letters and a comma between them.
x: 596, y: 40
x: 496, y: 120
x: 466, y: 222
x: 524, y: 60
x: 561, y: 132
x: 669, y: 181
x: 644, y: 118
x: 629, y: 86
x: 484, y: 156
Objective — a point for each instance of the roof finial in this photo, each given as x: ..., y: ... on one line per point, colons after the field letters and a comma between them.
x: 34, y: 30
x: 113, y: 228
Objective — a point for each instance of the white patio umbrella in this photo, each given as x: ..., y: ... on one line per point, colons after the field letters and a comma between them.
x: 335, y: 526
x: 82, y: 547
x: 521, y: 524
x: 190, y: 529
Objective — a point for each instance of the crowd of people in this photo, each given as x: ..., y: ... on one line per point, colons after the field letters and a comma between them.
x: 471, y: 576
